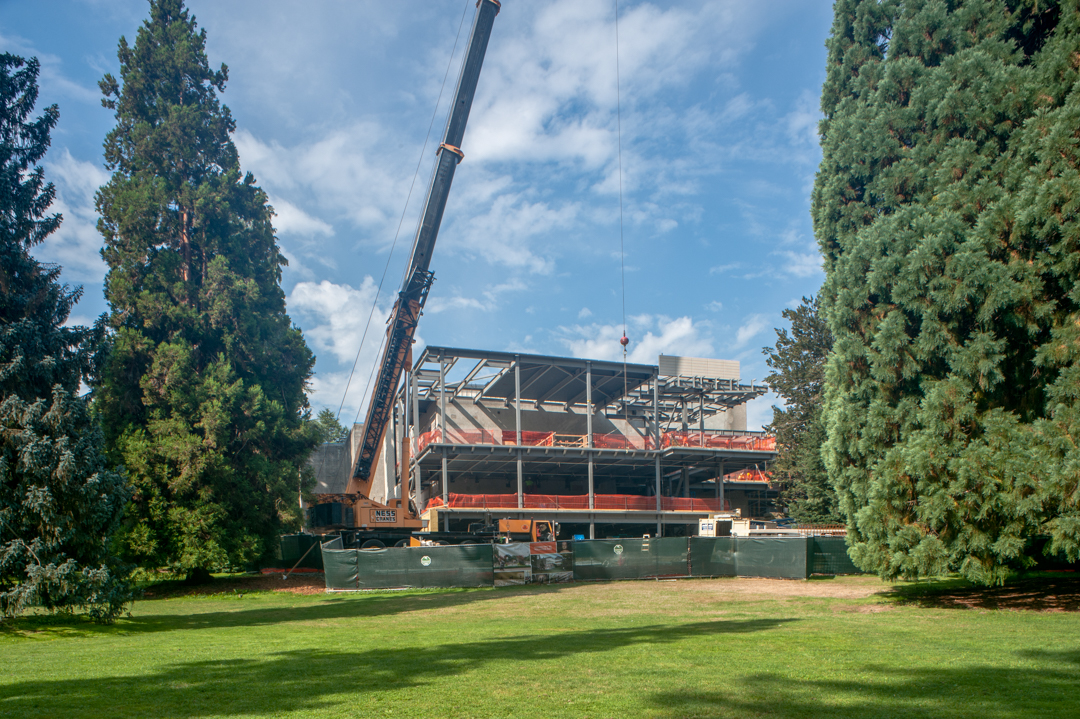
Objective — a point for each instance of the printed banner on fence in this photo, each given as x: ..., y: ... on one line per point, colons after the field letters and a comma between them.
x: 536, y: 563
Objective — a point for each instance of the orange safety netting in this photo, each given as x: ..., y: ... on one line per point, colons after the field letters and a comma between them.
x: 718, y: 441
x: 600, y: 441
x: 627, y: 502
x: 748, y: 475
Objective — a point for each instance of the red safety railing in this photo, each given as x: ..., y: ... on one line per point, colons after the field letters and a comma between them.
x: 613, y: 440
x: 718, y: 441
x: 624, y: 502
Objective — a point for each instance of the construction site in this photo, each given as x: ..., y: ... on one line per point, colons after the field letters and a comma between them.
x: 460, y: 441
x: 605, y: 449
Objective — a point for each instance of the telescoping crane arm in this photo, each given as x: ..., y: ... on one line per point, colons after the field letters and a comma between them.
x: 414, y: 291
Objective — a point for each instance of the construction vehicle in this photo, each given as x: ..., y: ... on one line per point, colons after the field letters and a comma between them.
x: 527, y: 530
x: 371, y: 524
x: 516, y: 530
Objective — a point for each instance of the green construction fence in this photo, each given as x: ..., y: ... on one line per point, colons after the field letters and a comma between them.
x: 828, y: 555
x: 600, y: 559
x: 776, y: 557
x: 302, y: 548
x: 466, y: 565
x: 630, y: 558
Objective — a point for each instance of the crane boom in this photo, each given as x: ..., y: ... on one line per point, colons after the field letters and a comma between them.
x: 414, y: 290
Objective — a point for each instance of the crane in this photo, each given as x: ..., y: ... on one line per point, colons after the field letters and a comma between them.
x: 409, y: 305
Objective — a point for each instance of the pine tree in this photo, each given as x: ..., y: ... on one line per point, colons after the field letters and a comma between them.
x: 946, y: 210
x: 798, y: 376
x: 59, y: 504
x: 327, y: 427
x: 203, y: 398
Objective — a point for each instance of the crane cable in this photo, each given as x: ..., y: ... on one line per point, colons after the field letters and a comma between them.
x: 416, y: 172
x: 622, y: 252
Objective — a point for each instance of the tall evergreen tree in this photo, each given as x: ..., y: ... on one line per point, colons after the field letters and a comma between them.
x: 798, y: 376
x: 946, y: 209
x: 59, y: 504
x: 327, y: 428
x: 203, y: 396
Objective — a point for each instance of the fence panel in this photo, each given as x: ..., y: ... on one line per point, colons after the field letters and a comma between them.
x: 830, y: 556
x: 294, y: 547
x: 340, y: 567
x: 712, y: 557
x: 631, y: 558
x: 776, y: 557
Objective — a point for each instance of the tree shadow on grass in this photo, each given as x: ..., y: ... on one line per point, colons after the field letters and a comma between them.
x: 341, y: 606
x: 1046, y: 593
x: 983, y: 692
x: 313, y: 680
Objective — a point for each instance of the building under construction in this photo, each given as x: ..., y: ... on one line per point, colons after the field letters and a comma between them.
x: 604, y: 448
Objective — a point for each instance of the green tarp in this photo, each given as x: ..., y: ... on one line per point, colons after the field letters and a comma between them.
x: 712, y: 557
x: 781, y: 557
x: 776, y: 557
x: 475, y: 565
x: 631, y: 558
x: 466, y: 565
x: 301, y: 548
x: 830, y: 557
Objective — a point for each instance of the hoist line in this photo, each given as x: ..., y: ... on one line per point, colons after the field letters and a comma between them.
x: 401, y: 221
x: 618, y: 121
x: 622, y: 250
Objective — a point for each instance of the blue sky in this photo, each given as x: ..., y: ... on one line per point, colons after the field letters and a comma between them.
x: 333, y: 100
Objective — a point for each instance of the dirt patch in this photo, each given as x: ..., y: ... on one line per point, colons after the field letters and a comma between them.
x: 1036, y: 594
x: 838, y: 588
x: 862, y: 608
x: 308, y: 583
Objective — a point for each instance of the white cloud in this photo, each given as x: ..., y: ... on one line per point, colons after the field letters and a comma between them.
x: 759, y: 412
x: 291, y: 220
x: 715, y: 306
x: 349, y: 172
x: 802, y: 264
x: 504, y: 233
x: 339, y: 314
x: 334, y: 317
x: 650, y: 336
x: 51, y: 79
x: 549, y: 89
x: 750, y: 329
x: 490, y: 302
x: 76, y: 245
x: 584, y: 313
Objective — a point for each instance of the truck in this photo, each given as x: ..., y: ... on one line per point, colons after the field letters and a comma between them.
x: 360, y: 520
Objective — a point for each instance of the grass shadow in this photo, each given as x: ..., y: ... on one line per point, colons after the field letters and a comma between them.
x: 313, y: 680
x: 1032, y: 592
x: 348, y: 606
x: 1047, y: 690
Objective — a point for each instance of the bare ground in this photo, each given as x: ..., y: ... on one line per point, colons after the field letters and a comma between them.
x: 1044, y: 594
x: 307, y: 583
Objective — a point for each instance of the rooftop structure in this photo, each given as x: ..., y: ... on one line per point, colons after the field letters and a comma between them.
x: 585, y: 442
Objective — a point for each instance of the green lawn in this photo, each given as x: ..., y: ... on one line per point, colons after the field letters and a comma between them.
x: 845, y: 647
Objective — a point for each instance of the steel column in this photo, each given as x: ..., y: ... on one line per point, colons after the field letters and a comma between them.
x: 416, y: 439
x: 517, y: 425
x: 445, y: 489
x: 656, y: 425
x: 720, y: 485
x: 442, y: 400
x: 589, y: 429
